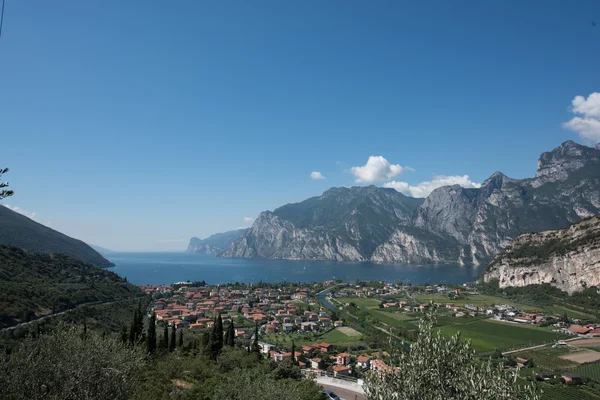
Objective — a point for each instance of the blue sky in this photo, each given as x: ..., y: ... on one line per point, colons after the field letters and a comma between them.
x: 135, y: 125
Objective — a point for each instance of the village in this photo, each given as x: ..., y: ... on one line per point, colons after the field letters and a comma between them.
x: 317, y: 321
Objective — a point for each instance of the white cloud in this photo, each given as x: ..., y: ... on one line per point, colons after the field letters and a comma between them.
x: 376, y: 169
x: 316, y: 175
x: 587, y: 117
x: 424, y: 188
x: 248, y: 219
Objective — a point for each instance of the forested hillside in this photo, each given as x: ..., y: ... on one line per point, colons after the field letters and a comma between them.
x: 19, y: 231
x: 33, y: 285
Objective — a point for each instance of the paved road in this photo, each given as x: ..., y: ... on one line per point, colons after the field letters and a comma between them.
x: 345, y: 394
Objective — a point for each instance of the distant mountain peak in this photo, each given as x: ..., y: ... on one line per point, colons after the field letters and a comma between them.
x: 214, y: 244
x: 453, y: 224
x: 557, y: 164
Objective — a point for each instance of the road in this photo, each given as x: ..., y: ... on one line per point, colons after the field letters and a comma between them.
x: 345, y: 394
x: 42, y: 318
x: 504, y: 353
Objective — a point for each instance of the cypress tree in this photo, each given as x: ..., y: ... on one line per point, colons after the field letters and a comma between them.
x: 204, y: 340
x: 293, y: 353
x: 139, y: 321
x: 180, y: 344
x: 124, y: 336
x: 219, y: 331
x: 165, y: 341
x: 173, y: 338
x: 230, y: 335
x: 255, y: 348
x: 132, y: 334
x: 151, y: 343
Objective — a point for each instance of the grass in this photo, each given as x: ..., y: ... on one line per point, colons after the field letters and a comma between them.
x: 362, y: 302
x: 548, y: 358
x: 563, y: 392
x: 337, y: 337
x: 479, y: 300
x: 488, y: 335
x: 394, y: 320
x: 570, y: 313
x: 591, y: 371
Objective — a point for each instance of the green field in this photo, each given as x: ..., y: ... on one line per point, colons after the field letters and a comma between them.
x: 488, y: 335
x: 396, y: 319
x: 337, y: 337
x: 361, y: 302
x: 548, y: 358
x: 479, y: 300
x: 563, y: 392
x: 570, y: 313
x: 591, y: 371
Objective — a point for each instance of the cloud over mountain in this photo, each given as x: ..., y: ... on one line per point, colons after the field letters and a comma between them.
x: 377, y: 169
x: 423, y: 189
x: 587, y: 117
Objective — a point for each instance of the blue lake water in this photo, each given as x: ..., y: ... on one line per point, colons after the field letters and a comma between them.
x: 166, y: 268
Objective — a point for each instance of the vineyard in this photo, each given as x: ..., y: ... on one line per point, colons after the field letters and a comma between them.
x: 591, y: 371
x: 562, y: 392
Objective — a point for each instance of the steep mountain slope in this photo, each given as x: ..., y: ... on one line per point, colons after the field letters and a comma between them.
x: 34, y: 285
x: 22, y: 232
x: 566, y: 258
x: 452, y: 224
x: 344, y: 224
x: 214, y: 244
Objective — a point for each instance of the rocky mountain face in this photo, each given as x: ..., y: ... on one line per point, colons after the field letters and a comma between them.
x: 566, y: 258
x: 453, y: 224
x: 19, y: 231
x: 214, y: 244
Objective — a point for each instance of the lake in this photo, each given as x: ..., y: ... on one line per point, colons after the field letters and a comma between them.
x: 166, y: 268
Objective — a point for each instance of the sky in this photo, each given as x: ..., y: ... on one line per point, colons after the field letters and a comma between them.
x: 134, y: 125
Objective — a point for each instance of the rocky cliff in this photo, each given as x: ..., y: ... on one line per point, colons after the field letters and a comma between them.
x: 214, y: 244
x: 566, y: 258
x: 453, y: 224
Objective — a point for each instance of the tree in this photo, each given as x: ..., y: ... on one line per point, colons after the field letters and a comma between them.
x: 180, y: 343
x: 139, y: 321
x: 64, y: 365
x: 219, y: 331
x: 436, y: 367
x: 173, y: 338
x: 255, y: 347
x: 151, y: 337
x: 293, y: 353
x: 215, y: 342
x: 230, y: 335
x: 124, y: 335
x: 4, y: 193
x: 132, y: 334
x: 165, y: 341
x: 205, y: 341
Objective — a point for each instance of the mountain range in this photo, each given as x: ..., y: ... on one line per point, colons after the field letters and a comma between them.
x: 214, y: 244
x: 19, y: 231
x: 452, y: 225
